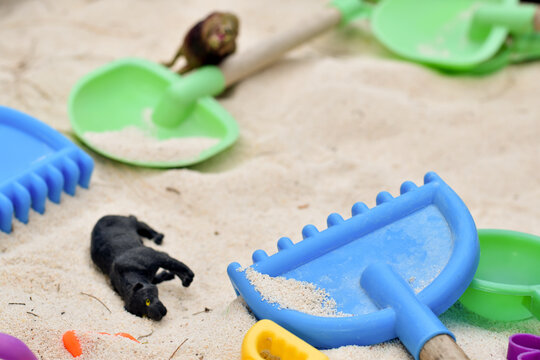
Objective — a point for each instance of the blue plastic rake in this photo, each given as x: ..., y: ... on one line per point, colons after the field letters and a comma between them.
x: 394, y: 268
x: 36, y: 162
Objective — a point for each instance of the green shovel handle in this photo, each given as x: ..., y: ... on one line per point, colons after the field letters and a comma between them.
x: 351, y: 9
x: 520, y: 19
x: 534, y: 307
x: 180, y: 98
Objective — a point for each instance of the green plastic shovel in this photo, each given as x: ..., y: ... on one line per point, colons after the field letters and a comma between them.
x: 124, y: 94
x: 516, y: 50
x: 506, y: 286
x: 455, y: 35
x: 171, y: 117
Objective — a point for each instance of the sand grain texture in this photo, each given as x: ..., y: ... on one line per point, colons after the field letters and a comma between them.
x: 334, y: 122
x: 134, y: 145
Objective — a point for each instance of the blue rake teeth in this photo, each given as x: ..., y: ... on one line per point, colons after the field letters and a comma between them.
x: 71, y: 173
x: 6, y: 213
x: 41, y: 164
x: 359, y: 208
x: 382, y: 197
x: 258, y: 256
x: 309, y: 231
x: 406, y: 187
x: 85, y: 164
x: 55, y: 182
x: 38, y: 192
x: 20, y: 197
x: 284, y: 243
x: 33, y: 189
x: 335, y: 219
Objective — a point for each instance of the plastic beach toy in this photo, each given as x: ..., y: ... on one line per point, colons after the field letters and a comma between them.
x: 456, y: 35
x: 266, y: 339
x: 164, y: 105
x: 12, y: 348
x: 506, y: 286
x: 73, y: 345
x: 523, y: 347
x: 393, y: 268
x: 516, y: 50
x: 36, y: 162
x: 119, y: 95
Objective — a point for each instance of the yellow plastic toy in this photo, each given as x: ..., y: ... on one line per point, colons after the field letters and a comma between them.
x: 266, y: 340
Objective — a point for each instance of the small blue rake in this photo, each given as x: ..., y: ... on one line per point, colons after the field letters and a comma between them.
x: 36, y: 162
x: 394, y: 268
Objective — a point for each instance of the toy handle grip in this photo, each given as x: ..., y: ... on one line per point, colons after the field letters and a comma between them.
x: 522, y: 19
x: 534, y: 306
x: 242, y: 65
x: 418, y: 328
x: 442, y: 347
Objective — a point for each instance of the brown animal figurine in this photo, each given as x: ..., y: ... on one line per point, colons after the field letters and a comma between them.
x: 208, y: 42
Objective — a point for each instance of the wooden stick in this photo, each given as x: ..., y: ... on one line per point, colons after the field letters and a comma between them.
x: 537, y: 19
x: 178, y: 348
x: 239, y: 66
x: 442, y: 347
x: 93, y: 297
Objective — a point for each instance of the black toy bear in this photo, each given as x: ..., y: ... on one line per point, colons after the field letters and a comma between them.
x: 117, y: 249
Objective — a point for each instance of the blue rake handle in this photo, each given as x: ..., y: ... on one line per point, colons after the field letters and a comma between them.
x: 415, y: 323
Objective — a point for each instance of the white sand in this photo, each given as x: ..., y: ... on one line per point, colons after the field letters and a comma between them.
x: 293, y: 294
x: 134, y: 144
x: 333, y: 123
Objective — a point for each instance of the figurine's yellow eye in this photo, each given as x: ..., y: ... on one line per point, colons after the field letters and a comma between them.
x: 147, y: 302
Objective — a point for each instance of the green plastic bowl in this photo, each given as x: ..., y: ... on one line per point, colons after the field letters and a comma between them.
x: 506, y: 286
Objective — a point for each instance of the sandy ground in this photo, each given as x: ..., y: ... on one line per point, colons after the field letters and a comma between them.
x: 334, y: 122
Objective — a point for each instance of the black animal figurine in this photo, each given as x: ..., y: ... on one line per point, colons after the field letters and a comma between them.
x: 209, y: 42
x: 117, y: 249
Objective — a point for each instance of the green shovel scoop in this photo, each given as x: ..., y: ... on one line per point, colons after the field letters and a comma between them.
x: 141, y: 113
x: 456, y: 35
x: 516, y: 50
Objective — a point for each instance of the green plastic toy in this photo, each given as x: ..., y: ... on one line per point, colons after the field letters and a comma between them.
x: 456, y: 35
x: 119, y: 94
x: 506, y: 286
x: 516, y: 50
x: 136, y: 93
